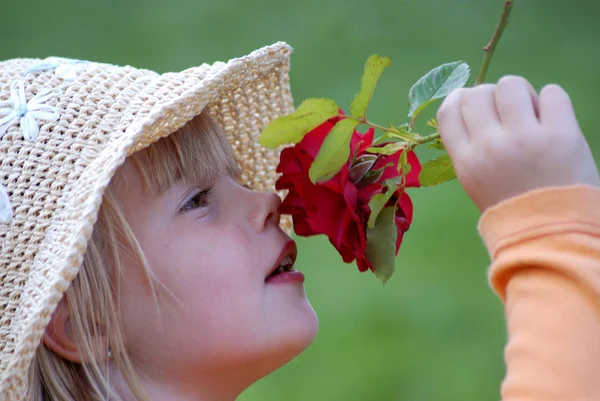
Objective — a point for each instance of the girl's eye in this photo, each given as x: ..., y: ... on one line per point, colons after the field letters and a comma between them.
x: 200, y: 199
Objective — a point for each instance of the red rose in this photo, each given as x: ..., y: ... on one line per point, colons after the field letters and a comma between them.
x: 339, y: 207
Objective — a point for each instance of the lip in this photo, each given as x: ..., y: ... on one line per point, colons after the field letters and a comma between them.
x: 289, y: 249
x: 293, y: 276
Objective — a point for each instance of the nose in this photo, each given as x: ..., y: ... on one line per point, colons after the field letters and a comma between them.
x: 264, y: 209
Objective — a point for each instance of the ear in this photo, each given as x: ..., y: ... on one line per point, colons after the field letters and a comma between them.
x: 59, y: 336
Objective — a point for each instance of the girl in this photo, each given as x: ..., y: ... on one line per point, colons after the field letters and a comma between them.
x: 141, y: 262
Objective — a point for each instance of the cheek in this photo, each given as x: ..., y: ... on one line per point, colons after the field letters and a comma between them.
x: 210, y: 287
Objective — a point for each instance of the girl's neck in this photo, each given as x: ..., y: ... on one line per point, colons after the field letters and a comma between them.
x: 219, y: 383
x: 200, y: 387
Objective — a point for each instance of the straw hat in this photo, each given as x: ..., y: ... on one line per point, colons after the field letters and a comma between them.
x: 65, y: 127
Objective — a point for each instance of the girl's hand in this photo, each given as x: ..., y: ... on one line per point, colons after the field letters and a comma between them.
x: 505, y: 140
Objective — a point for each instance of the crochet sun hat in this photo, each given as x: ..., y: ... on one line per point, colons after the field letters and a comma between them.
x: 65, y: 127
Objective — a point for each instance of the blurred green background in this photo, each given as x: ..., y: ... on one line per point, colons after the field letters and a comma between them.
x: 436, y: 331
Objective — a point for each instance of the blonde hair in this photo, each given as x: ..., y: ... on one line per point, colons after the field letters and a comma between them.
x: 195, y: 153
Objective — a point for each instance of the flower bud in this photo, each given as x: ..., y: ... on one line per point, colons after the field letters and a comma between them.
x: 370, y: 177
x: 360, y: 166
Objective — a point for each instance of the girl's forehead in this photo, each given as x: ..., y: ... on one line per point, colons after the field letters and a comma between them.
x: 197, y: 153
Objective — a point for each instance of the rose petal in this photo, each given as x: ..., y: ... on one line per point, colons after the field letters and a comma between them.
x: 362, y: 141
x: 412, y: 178
x: 363, y: 263
x: 311, y: 143
x: 399, y: 242
x: 406, y: 207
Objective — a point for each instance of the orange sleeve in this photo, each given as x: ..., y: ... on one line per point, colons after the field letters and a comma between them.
x: 545, y: 250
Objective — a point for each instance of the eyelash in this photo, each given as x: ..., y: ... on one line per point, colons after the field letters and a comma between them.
x: 200, y: 199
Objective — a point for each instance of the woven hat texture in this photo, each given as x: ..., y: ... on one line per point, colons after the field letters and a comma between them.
x: 65, y: 127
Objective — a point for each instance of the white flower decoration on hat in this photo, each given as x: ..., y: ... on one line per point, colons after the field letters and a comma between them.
x: 5, y: 206
x: 66, y: 70
x: 19, y: 109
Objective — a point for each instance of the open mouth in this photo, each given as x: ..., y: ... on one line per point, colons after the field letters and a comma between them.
x: 286, y: 265
x: 285, y: 261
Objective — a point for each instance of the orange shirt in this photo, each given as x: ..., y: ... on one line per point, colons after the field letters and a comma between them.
x: 545, y: 250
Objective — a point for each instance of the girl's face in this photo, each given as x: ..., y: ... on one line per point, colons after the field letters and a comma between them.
x: 210, y: 246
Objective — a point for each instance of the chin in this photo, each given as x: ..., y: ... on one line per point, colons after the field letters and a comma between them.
x: 298, y: 332
x: 294, y: 331
x: 288, y: 336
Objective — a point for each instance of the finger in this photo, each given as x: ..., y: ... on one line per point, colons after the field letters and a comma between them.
x: 517, y: 101
x: 556, y: 108
x: 452, y: 127
x: 479, y: 109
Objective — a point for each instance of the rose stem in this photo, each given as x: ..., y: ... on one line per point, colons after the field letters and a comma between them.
x: 491, y: 46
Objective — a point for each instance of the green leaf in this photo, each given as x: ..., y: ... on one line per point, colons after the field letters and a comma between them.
x: 432, y: 123
x: 334, y: 151
x: 388, y: 149
x: 378, y: 201
x: 437, y: 171
x: 373, y: 69
x: 381, y: 244
x: 436, y: 84
x: 291, y: 128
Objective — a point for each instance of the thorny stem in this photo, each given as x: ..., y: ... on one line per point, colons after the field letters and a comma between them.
x: 491, y: 46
